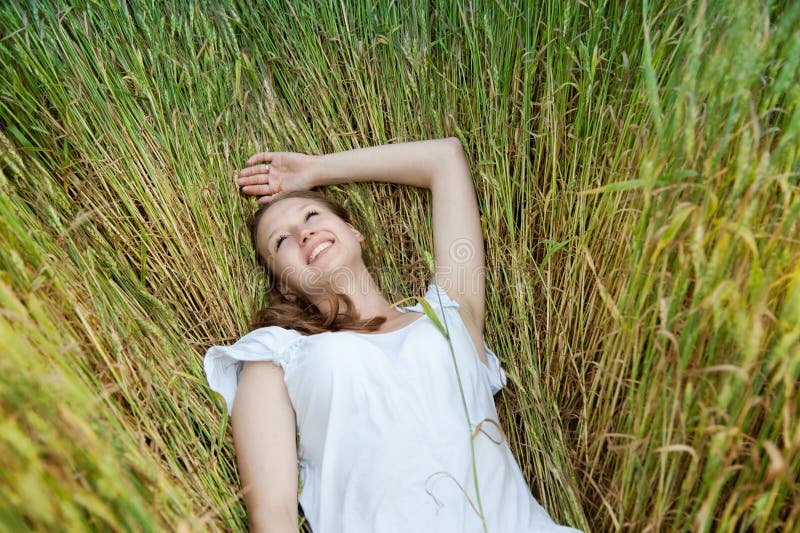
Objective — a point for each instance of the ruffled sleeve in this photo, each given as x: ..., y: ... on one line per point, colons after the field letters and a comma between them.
x: 223, y: 364
x: 493, y: 373
x: 437, y: 296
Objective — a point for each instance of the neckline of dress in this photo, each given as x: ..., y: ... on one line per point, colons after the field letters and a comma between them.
x: 402, y: 310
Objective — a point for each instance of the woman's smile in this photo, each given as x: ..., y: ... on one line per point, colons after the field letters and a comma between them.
x: 317, y: 250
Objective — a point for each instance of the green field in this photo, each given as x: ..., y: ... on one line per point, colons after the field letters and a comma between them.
x: 637, y: 167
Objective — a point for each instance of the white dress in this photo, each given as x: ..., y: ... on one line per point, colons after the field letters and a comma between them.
x: 384, y: 442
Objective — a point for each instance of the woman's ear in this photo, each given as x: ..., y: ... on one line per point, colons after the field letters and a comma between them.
x: 357, y: 233
x: 289, y: 296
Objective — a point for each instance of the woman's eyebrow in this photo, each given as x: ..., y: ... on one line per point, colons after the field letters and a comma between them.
x: 276, y: 230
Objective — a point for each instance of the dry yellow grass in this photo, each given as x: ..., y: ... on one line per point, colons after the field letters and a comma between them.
x: 637, y: 169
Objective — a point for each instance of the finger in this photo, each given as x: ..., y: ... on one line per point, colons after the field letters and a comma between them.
x: 267, y: 198
x: 257, y: 190
x: 262, y: 157
x: 258, y: 179
x: 276, y: 195
x: 255, y: 169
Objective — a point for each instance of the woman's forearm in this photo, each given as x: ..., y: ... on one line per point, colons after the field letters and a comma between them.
x: 420, y: 163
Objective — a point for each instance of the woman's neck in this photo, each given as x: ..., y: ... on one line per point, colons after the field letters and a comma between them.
x: 367, y: 298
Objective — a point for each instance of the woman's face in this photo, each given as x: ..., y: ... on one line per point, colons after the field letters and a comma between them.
x: 307, y: 247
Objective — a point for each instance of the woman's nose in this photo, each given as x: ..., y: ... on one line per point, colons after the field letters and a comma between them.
x: 306, y: 234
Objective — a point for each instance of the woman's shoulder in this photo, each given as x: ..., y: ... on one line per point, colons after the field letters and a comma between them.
x: 270, y: 334
x: 270, y: 337
x: 265, y: 343
x: 438, y: 298
x: 223, y: 363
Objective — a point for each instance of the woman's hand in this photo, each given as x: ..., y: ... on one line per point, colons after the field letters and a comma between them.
x: 268, y: 174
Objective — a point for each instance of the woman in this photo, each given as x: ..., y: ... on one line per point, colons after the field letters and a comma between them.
x: 372, y: 388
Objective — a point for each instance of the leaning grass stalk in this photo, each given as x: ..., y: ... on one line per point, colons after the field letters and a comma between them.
x: 445, y: 331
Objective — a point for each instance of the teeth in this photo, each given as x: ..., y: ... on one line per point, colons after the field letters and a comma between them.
x: 318, y: 249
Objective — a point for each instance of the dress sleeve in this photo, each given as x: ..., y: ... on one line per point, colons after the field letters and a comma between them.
x: 223, y: 364
x: 436, y: 295
x: 494, y: 373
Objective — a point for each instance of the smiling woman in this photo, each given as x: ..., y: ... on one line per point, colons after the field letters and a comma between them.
x: 311, y: 254
x: 369, y: 387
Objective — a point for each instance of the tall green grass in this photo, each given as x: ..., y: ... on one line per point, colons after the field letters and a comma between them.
x: 637, y: 170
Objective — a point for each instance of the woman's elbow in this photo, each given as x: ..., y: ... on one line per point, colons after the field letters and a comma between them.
x: 451, y: 156
x: 454, y: 146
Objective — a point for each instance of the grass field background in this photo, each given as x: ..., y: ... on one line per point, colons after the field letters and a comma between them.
x: 637, y: 173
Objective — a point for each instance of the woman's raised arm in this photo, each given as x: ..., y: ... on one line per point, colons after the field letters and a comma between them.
x: 439, y: 165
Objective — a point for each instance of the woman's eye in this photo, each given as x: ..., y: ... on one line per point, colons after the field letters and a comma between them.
x: 280, y: 239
